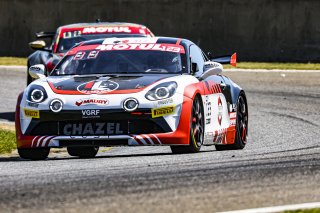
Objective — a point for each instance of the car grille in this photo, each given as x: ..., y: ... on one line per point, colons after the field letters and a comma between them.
x: 128, y: 127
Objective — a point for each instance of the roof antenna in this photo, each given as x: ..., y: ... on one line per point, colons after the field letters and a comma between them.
x: 98, y: 20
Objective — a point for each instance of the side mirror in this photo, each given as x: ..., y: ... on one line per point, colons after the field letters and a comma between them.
x: 37, y: 71
x: 193, y: 68
x: 211, y: 68
x: 210, y: 55
x: 38, y: 45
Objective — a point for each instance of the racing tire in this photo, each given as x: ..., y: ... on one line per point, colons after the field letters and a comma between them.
x: 196, y: 130
x: 83, y: 152
x: 241, y: 127
x: 34, y: 154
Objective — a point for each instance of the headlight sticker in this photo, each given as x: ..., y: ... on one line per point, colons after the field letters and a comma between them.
x: 159, y: 112
x: 31, y: 113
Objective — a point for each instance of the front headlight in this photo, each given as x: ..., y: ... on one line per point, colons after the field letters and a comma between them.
x: 162, y: 91
x: 37, y: 94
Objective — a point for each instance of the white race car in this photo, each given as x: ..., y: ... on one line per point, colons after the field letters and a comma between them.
x: 131, y: 91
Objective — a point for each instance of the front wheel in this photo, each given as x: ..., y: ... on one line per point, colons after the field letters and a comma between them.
x: 34, y: 154
x: 241, y: 127
x: 83, y: 152
x: 196, y: 130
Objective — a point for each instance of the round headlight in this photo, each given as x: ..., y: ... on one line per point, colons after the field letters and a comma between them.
x: 162, y: 92
x: 130, y: 104
x: 37, y: 95
x: 56, y: 105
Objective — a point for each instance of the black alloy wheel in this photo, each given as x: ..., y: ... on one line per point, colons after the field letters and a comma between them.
x: 196, y: 130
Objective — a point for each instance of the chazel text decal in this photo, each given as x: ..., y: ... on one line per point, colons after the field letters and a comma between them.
x: 97, y: 128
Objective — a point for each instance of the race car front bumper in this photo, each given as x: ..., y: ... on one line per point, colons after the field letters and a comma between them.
x: 141, y: 129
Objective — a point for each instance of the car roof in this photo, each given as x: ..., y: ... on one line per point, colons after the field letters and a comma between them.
x: 157, y: 40
x: 105, y: 43
x: 101, y: 24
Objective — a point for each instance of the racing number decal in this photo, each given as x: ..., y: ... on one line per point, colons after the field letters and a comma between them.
x: 93, y: 54
x: 208, y: 109
x: 71, y: 34
x: 79, y: 55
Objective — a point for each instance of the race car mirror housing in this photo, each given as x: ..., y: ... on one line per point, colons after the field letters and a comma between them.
x: 37, y: 45
x: 211, y: 68
x: 37, y: 71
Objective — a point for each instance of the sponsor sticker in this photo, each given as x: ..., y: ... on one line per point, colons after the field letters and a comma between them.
x: 233, y: 115
x: 159, y: 112
x: 32, y: 113
x: 98, y: 87
x: 233, y: 122
x: 89, y: 30
x: 90, y: 113
x: 141, y: 46
x: 208, y: 120
x: 31, y: 104
x: 92, y: 101
x: 220, y: 110
x: 98, y: 128
x: 130, y: 40
x: 166, y: 101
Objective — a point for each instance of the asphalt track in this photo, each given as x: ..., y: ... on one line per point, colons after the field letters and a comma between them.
x: 279, y: 166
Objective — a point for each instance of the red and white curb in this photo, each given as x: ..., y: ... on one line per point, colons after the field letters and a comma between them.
x: 278, y: 208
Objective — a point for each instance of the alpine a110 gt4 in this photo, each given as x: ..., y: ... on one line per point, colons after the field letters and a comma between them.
x: 68, y: 35
x: 131, y: 91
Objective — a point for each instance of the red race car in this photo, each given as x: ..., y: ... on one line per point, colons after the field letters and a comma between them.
x: 67, y: 36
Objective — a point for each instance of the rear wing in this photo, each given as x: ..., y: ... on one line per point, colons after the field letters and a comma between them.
x: 227, y: 59
x: 45, y: 34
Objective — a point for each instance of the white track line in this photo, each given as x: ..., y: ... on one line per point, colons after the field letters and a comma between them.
x: 276, y: 71
x: 278, y: 208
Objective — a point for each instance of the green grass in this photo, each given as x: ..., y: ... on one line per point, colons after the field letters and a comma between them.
x: 304, y: 211
x: 13, y: 61
x: 7, y: 141
x: 240, y: 65
x: 274, y: 65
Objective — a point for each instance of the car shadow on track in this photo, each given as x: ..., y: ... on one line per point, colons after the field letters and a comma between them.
x: 9, y: 116
x: 67, y: 157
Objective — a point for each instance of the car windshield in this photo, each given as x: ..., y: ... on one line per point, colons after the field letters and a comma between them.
x: 66, y: 43
x: 122, y: 61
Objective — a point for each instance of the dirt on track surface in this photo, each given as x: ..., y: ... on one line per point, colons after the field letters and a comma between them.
x: 280, y: 164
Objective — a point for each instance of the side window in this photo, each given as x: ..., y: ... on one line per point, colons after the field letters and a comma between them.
x: 196, y: 58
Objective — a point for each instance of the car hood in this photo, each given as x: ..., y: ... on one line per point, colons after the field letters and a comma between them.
x: 103, y: 84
